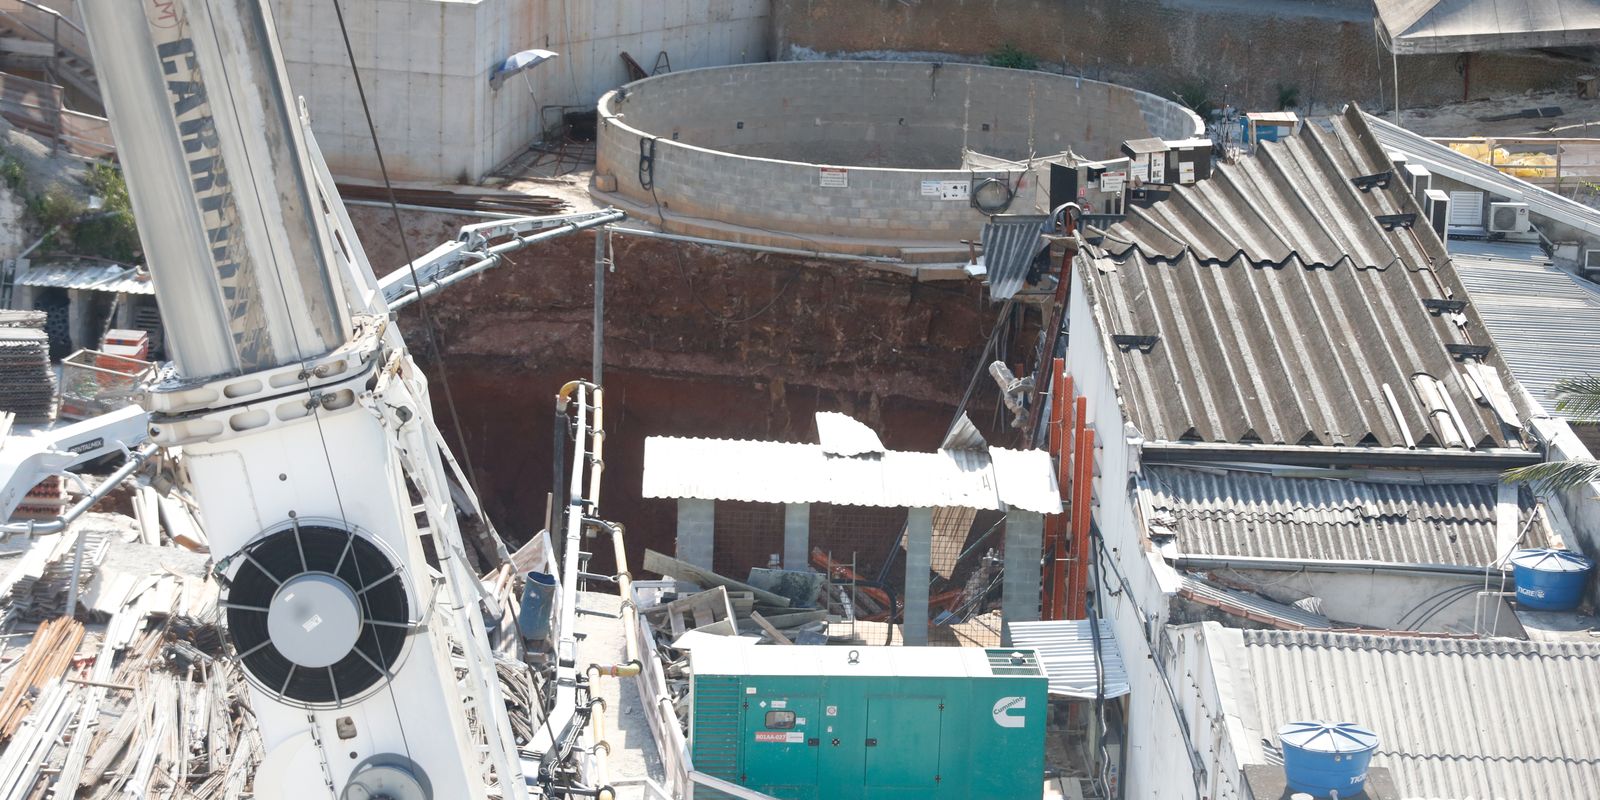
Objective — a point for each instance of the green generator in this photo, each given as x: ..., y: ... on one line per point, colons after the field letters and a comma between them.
x: 836, y: 723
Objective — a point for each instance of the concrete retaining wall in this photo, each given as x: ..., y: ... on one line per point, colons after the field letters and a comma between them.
x: 798, y: 117
x: 1235, y: 52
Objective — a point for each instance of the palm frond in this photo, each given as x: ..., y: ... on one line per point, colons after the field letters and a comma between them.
x: 1579, y: 398
x: 1555, y: 476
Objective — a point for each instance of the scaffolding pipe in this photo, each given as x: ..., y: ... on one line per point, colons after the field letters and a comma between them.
x: 600, y: 235
x: 136, y: 459
x: 496, y: 254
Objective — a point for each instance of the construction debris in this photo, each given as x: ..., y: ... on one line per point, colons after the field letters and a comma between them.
x: 139, y: 706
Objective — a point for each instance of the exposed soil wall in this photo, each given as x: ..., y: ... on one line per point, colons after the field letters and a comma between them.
x: 699, y: 342
x: 1238, y: 51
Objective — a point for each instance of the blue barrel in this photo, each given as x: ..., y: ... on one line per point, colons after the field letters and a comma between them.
x: 537, y: 594
x: 1549, y: 580
x: 1321, y: 758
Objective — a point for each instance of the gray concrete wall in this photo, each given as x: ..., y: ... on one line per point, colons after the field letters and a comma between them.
x: 1238, y: 52
x: 426, y: 66
x: 704, y: 108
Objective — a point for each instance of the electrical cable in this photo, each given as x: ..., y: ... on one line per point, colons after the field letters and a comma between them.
x: 394, y: 702
x: 405, y: 247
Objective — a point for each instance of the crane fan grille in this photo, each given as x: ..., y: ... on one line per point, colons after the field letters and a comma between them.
x: 275, y: 559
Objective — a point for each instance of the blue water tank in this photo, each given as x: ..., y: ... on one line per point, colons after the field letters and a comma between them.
x: 1321, y: 758
x: 1550, y: 580
x: 537, y: 594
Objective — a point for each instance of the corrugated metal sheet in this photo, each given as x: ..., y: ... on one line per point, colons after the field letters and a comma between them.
x: 779, y: 472
x: 1251, y: 606
x: 1442, y: 160
x: 1010, y: 243
x: 843, y: 435
x: 1278, y: 309
x: 1238, y: 513
x: 1469, y: 26
x: 1455, y: 718
x: 1066, y: 649
x: 1026, y: 479
x: 96, y: 276
x: 1544, y: 320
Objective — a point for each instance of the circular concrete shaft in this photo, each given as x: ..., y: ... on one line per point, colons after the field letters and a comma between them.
x: 314, y: 619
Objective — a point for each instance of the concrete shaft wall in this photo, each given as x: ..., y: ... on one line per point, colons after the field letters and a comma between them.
x: 1240, y: 52
x: 893, y: 114
x: 426, y: 66
x: 818, y: 109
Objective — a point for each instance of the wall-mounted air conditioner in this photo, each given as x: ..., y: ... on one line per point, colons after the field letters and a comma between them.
x: 1591, y: 259
x: 1509, y: 218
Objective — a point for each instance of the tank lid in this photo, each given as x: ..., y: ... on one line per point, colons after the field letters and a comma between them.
x: 1545, y: 559
x: 1328, y: 737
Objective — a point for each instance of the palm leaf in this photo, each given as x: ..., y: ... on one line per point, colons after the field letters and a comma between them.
x: 1555, y: 476
x: 1579, y: 398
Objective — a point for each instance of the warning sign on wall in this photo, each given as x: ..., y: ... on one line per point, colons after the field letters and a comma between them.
x: 1112, y: 181
x: 833, y: 177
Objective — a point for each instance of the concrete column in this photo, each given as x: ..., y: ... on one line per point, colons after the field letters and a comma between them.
x: 919, y: 558
x: 1019, y: 600
x: 696, y: 531
x: 796, y: 535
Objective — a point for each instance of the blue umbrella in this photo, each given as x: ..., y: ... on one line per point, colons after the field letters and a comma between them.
x: 517, y: 62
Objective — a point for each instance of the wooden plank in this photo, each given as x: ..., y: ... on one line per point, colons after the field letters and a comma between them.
x: 776, y: 634
x: 673, y: 568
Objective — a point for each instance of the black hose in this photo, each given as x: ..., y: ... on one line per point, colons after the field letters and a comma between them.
x: 894, y: 603
x: 647, y: 164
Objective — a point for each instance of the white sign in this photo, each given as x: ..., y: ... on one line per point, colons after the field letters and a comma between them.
x: 947, y: 190
x: 1112, y: 181
x: 1185, y: 172
x: 833, y: 177
x: 1139, y: 172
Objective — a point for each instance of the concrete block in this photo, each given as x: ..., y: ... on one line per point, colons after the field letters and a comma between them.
x: 919, y: 558
x: 696, y: 531
x: 1021, y: 585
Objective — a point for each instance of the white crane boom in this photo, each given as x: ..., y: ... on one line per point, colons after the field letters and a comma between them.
x: 306, y: 429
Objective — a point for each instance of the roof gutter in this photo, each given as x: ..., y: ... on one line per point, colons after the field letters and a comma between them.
x: 1182, y: 452
x: 1325, y: 565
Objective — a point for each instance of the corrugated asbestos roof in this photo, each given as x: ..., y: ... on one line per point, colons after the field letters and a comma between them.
x: 1268, y: 304
x: 1545, y: 321
x: 780, y: 472
x: 1455, y: 718
x: 1240, y: 513
x: 1251, y: 606
x: 97, y: 276
x: 1468, y: 26
x: 1010, y: 244
x: 1066, y: 649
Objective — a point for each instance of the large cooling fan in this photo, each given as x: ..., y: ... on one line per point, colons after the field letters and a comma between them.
x: 318, y: 615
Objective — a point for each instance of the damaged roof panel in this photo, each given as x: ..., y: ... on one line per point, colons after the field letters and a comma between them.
x: 1270, y: 305
x: 1222, y: 513
x: 780, y: 472
x: 1011, y: 242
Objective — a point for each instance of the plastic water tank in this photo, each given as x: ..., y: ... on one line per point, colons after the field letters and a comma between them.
x: 1326, y: 757
x: 537, y: 594
x: 1550, y: 580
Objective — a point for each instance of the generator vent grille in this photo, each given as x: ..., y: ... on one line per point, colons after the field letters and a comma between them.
x: 1014, y: 662
x: 718, y: 706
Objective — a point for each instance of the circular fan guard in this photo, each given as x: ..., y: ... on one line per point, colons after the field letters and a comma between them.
x: 275, y: 559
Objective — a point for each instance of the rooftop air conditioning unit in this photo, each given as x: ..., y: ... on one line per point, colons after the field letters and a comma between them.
x: 1591, y: 259
x: 1509, y: 218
